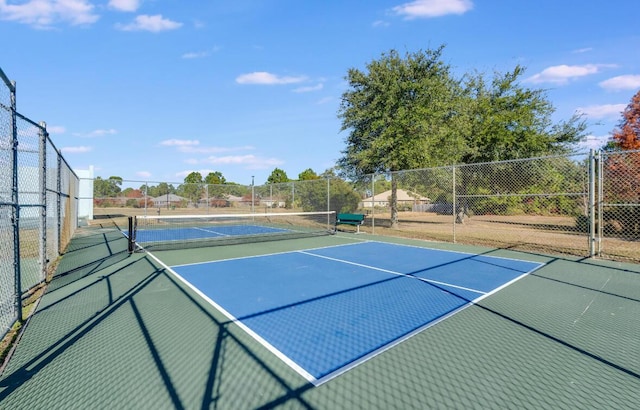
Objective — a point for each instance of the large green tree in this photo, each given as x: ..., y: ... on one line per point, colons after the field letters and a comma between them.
x: 313, y: 194
x: 192, y: 187
x: 307, y: 175
x: 277, y: 176
x: 215, y: 182
x: 400, y: 113
x: 107, y: 187
x: 506, y: 120
x: 215, y: 178
x: 410, y: 112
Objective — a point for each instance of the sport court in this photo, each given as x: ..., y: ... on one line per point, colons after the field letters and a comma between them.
x: 325, y: 310
x: 529, y: 330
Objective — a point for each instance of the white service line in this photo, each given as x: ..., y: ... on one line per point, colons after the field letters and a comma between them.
x: 209, y: 231
x: 395, y: 273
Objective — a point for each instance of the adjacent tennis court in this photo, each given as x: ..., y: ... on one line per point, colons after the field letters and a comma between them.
x: 325, y: 310
x: 180, y: 231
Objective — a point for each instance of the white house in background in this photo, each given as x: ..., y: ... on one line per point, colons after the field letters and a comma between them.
x: 405, y: 198
x: 166, y: 200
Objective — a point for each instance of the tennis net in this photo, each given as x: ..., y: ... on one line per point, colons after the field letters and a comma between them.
x: 190, y: 231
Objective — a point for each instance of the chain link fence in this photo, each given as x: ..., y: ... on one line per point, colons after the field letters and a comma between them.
x: 531, y: 204
x: 618, y: 218
x: 38, y: 206
x: 583, y: 204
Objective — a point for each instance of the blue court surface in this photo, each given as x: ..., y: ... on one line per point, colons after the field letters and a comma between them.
x: 326, y: 310
x: 150, y: 235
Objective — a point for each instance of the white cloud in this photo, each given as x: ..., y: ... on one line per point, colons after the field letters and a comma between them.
x: 621, y: 82
x: 193, y: 147
x: 380, y: 23
x: 177, y: 142
x: 309, y: 89
x: 203, y: 172
x: 212, y: 150
x: 249, y: 161
x: 196, y: 54
x: 102, y: 133
x: 583, y: 50
x: 46, y: 13
x: 143, y: 174
x: 432, y: 8
x: 602, y: 111
x: 200, y: 54
x: 154, y: 24
x: 562, y: 74
x: 76, y: 150
x: 125, y: 5
x: 96, y: 133
x: 594, y: 142
x: 56, y: 129
x: 265, y: 78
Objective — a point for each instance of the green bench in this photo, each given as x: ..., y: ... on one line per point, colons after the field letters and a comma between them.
x: 350, y: 219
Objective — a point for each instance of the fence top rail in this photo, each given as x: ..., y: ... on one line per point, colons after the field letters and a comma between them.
x: 621, y: 152
x: 30, y: 121
x: 58, y: 152
x: 7, y: 82
x: 507, y: 161
x: 567, y: 155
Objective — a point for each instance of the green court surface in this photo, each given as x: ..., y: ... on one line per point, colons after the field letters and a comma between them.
x: 117, y: 331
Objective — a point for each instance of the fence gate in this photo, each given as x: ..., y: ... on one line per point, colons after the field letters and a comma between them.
x: 616, y: 221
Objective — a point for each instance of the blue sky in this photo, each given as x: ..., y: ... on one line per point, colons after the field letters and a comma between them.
x: 151, y: 90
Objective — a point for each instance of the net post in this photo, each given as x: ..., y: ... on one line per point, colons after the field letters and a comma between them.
x: 130, y: 238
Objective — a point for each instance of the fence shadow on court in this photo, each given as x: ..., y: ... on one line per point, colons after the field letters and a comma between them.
x: 133, y: 309
x: 88, y: 255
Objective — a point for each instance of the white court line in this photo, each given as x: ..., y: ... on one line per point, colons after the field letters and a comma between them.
x: 460, y: 252
x: 209, y: 231
x: 302, y: 372
x: 265, y: 254
x: 450, y: 285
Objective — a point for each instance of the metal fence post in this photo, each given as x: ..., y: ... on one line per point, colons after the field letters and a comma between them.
x: 453, y: 209
x: 328, y: 194
x: 592, y: 203
x: 373, y: 204
x: 293, y: 194
x: 146, y: 197
x: 253, y: 194
x: 600, y: 201
x: 329, y: 202
x: 59, y: 201
x: 15, y: 217
x: 43, y: 197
